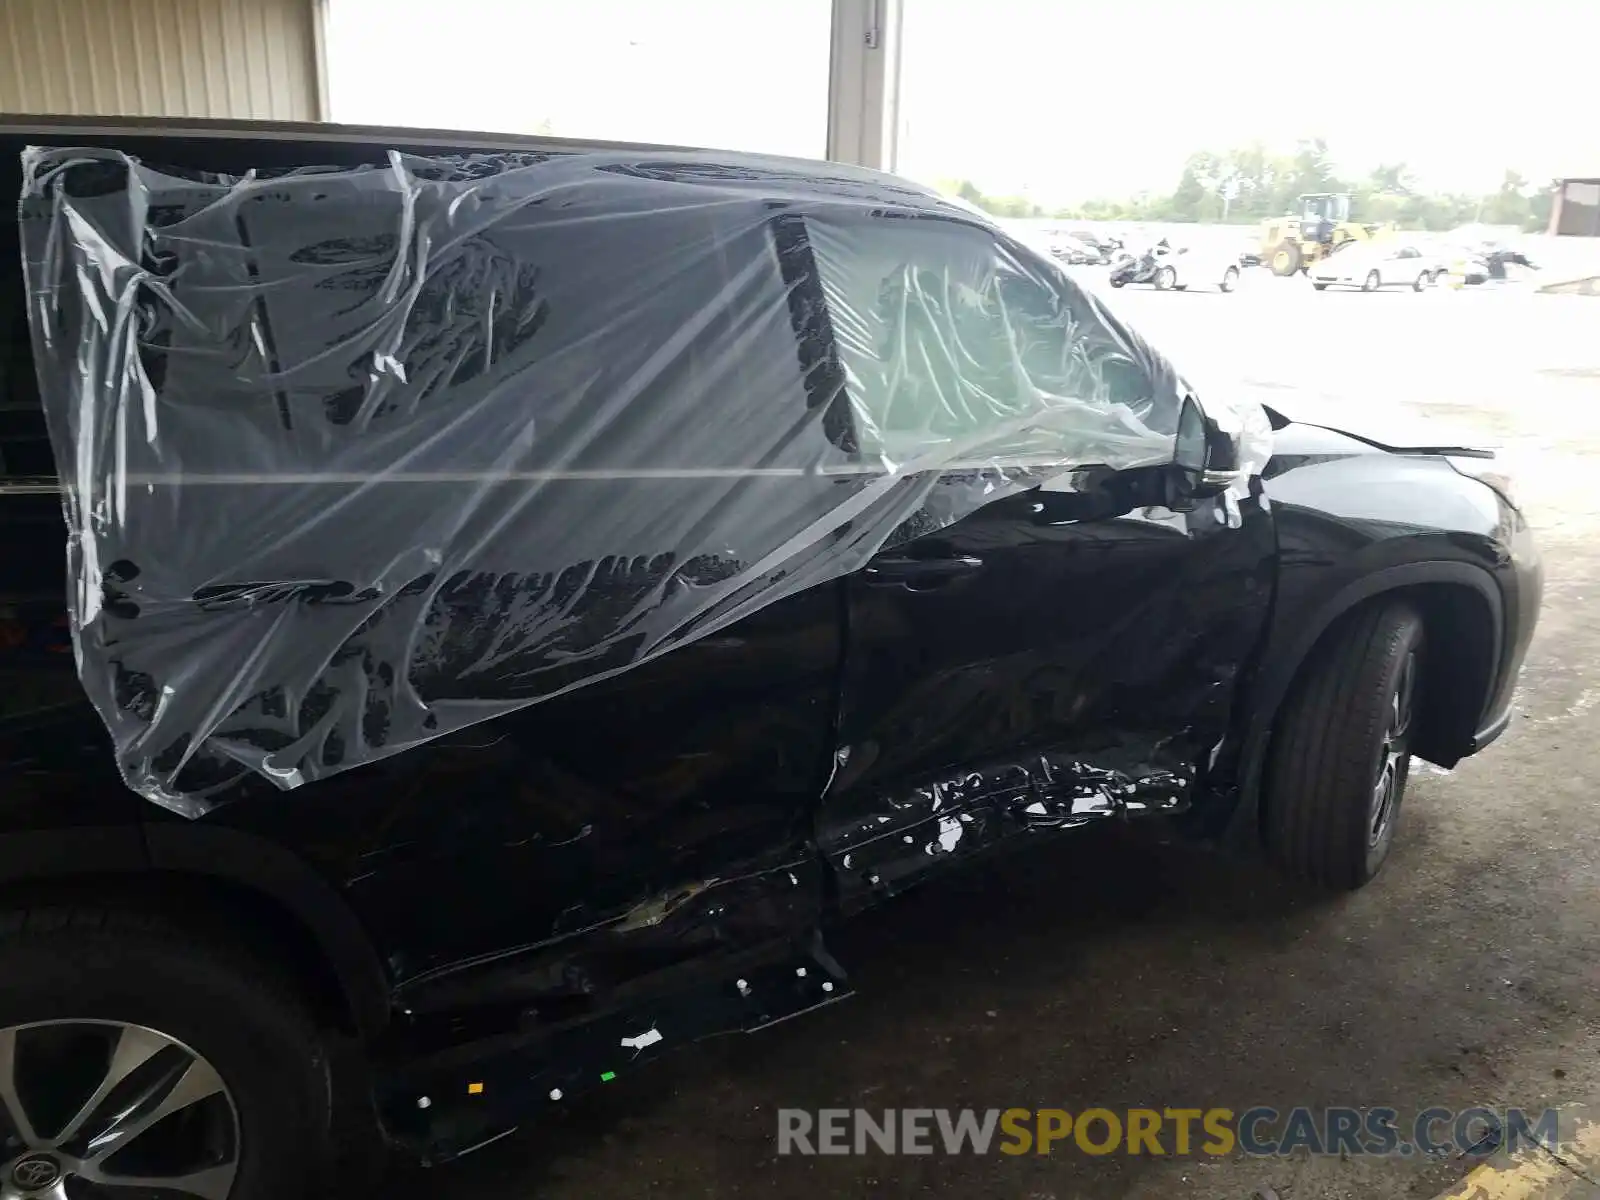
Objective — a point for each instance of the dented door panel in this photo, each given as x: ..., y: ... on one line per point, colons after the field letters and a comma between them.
x: 547, y: 860
x: 1084, y: 669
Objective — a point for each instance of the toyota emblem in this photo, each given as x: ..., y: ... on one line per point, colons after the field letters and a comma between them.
x: 36, y: 1173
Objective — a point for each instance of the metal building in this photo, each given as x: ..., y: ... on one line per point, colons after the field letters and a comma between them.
x: 1576, y: 210
x: 268, y: 60
x: 244, y: 59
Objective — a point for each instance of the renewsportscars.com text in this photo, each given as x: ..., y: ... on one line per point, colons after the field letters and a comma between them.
x: 1210, y: 1132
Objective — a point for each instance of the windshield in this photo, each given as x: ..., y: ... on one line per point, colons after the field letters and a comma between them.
x: 1331, y: 208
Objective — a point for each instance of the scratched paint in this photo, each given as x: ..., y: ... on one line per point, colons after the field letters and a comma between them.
x: 970, y: 810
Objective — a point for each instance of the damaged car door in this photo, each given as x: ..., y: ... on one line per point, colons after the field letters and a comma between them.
x: 1064, y: 653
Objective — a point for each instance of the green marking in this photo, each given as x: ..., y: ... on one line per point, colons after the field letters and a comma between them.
x: 607, y: 1076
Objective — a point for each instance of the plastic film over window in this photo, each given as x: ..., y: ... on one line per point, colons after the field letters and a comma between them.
x: 355, y: 458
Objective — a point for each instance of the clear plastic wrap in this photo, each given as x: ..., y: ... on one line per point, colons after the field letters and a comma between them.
x: 355, y: 458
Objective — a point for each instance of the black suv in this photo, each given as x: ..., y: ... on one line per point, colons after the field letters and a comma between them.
x: 468, y: 923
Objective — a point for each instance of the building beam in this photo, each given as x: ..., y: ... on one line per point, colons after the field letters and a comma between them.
x: 864, y: 83
x: 319, y: 50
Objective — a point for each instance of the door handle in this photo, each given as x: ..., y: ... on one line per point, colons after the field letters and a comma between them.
x: 920, y: 574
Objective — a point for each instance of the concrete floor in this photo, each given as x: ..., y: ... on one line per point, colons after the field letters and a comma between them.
x: 1100, y: 971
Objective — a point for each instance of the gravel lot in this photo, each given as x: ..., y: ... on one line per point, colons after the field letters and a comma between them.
x: 1103, y: 972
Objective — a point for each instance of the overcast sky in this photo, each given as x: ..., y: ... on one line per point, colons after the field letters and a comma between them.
x: 1059, y: 99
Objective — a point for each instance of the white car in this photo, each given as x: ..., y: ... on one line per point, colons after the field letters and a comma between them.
x: 1180, y: 269
x: 1373, y: 265
x: 1065, y: 248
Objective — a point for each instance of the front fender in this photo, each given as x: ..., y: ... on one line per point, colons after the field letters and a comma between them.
x: 1354, y: 524
x: 1282, y: 663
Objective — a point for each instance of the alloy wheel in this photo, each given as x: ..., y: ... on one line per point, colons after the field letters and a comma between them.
x: 111, y: 1111
x: 1390, y: 779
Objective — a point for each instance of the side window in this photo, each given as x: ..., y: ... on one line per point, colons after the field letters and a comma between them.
x: 953, y: 342
x: 950, y: 344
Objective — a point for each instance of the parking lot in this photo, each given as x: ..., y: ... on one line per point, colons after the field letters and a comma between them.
x: 1099, y: 971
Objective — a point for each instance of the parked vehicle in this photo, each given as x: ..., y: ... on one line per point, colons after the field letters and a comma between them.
x: 1104, y: 244
x: 1144, y: 267
x: 1371, y: 266
x: 1073, y: 251
x: 1320, y: 227
x: 1178, y: 270
x: 1486, y: 265
x: 447, y: 940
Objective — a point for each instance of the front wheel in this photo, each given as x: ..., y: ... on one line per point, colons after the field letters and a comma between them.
x: 1230, y: 279
x: 1321, y: 287
x: 1341, y: 753
x: 1372, y: 282
x: 1166, y: 279
x: 1118, y: 282
x: 138, y: 1059
x: 1420, y: 282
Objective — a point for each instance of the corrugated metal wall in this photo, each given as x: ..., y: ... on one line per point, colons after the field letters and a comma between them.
x: 180, y: 58
x: 1577, y: 209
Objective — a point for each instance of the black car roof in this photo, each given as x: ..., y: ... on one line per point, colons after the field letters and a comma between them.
x: 237, y: 146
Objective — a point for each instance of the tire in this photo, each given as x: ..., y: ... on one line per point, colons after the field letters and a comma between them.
x: 1420, y: 282
x: 1119, y: 282
x: 1372, y: 282
x: 1230, y: 279
x: 84, y: 980
x: 1339, y: 760
x: 1321, y: 287
x: 1287, y: 259
x: 1166, y: 279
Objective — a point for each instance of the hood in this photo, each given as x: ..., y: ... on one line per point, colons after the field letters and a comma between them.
x: 1379, y: 425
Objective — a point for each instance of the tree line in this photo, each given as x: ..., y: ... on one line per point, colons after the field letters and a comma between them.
x: 1252, y: 182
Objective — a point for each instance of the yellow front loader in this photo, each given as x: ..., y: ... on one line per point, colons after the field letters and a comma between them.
x: 1292, y: 243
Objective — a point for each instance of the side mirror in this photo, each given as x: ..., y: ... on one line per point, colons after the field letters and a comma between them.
x: 1207, y: 457
x: 1206, y: 464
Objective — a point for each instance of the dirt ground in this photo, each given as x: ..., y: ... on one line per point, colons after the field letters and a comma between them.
x: 1103, y: 971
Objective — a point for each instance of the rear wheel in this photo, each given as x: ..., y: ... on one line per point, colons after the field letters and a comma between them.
x: 1372, y: 282
x: 1166, y: 279
x: 1340, y: 757
x: 1230, y: 279
x: 1420, y: 282
x: 137, y: 1059
x: 1321, y: 287
x: 1287, y: 259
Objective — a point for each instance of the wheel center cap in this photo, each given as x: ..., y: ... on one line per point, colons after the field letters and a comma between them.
x: 35, y: 1173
